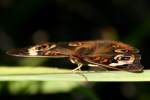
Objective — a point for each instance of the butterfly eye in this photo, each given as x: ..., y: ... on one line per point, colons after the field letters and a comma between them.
x: 121, y: 50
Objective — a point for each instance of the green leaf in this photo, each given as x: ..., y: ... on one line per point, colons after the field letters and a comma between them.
x: 56, y: 74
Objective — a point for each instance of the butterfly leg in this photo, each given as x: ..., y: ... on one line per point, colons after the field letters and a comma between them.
x: 78, y: 68
x: 77, y: 61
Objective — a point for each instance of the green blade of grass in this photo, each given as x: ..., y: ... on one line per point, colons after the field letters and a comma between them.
x: 45, y: 74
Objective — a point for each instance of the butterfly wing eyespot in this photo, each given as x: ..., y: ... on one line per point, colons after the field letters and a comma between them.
x: 45, y: 46
x: 126, y: 58
x: 42, y: 47
x: 122, y: 57
x: 121, y: 50
x: 126, y: 63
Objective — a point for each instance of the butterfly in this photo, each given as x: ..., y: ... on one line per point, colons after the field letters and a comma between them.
x: 103, y: 54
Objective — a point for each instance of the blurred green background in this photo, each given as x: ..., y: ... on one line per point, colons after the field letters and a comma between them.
x: 26, y: 22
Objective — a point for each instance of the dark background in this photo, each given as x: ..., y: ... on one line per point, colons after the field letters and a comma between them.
x: 26, y: 22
